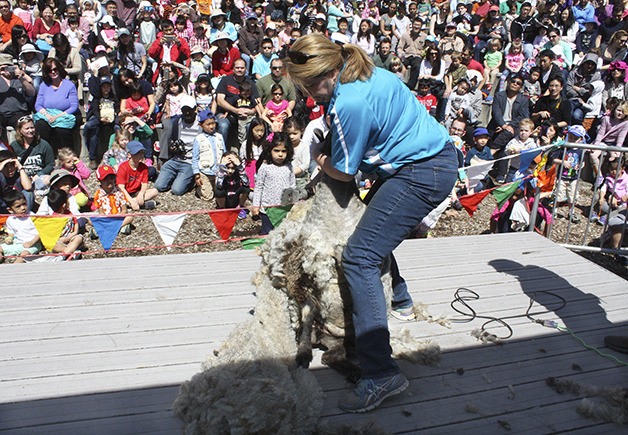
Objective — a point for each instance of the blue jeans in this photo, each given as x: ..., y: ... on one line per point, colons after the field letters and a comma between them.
x: 175, y: 175
x: 222, y: 126
x: 91, y: 130
x: 397, y: 207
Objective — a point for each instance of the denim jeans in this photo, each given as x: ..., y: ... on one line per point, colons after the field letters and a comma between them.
x: 175, y: 175
x: 396, y: 208
x: 91, y: 130
x: 222, y: 126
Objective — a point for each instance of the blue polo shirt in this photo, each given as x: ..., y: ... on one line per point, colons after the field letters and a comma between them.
x: 378, y: 126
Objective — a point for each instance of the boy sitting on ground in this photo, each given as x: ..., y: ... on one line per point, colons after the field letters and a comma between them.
x: 22, y: 236
x: 132, y: 179
x: 109, y: 199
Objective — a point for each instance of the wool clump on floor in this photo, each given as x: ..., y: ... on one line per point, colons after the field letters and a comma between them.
x: 258, y: 381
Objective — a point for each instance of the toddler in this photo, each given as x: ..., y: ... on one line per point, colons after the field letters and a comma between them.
x: 117, y: 154
x: 199, y: 64
x: 88, y: 12
x: 30, y: 62
x: 571, y: 163
x: 109, y: 199
x: 207, y: 151
x: 425, y: 96
x: 75, y: 166
x: 275, y: 175
x: 492, y: 63
x: 244, y: 101
x: 294, y: 128
x: 520, y: 143
x: 396, y: 67
x: 232, y: 184
x: 514, y: 62
x: 532, y: 85
x: 136, y: 104
x: 22, y: 236
x: 132, y: 178
x: 74, y: 34
x: 459, y: 103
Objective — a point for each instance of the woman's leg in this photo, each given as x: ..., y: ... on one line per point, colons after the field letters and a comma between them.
x: 398, y: 206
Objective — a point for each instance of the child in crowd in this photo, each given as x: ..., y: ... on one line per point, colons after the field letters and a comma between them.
x: 532, y: 85
x: 117, y: 154
x: 132, y: 179
x: 141, y: 132
x: 147, y: 27
x: 514, y: 62
x: 109, y: 199
x: 492, y: 63
x: 24, y: 10
x: 62, y: 179
x: 22, y: 236
x: 479, y: 154
x: 207, y: 151
x: 89, y: 11
x: 294, y: 128
x: 244, y: 101
x: 137, y: 104
x: 232, y: 184
x: 74, y: 34
x: 252, y: 148
x: 613, y: 131
x: 520, y: 143
x: 199, y: 64
x: 425, y: 96
x: 204, y: 94
x: 275, y: 175
x: 396, y: 67
x: 276, y: 110
x: 456, y: 71
x: 30, y: 61
x: 69, y: 161
x: 459, y: 103
x: 14, y: 177
x: 571, y: 163
x: 613, y: 193
x: 174, y: 98
x: 70, y: 240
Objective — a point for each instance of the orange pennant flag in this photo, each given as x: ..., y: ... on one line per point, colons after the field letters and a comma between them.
x: 224, y: 221
x: 49, y: 229
x: 547, y: 179
x: 3, y: 220
x: 471, y: 202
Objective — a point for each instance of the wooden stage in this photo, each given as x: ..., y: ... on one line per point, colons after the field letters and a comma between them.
x: 101, y: 346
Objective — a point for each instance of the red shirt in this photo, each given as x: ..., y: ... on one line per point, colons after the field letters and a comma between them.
x: 132, y: 179
x: 428, y: 101
x: 6, y: 26
x: 475, y: 65
x: 39, y: 28
x: 222, y: 63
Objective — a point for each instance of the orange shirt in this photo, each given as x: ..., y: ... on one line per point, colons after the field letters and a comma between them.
x: 6, y: 26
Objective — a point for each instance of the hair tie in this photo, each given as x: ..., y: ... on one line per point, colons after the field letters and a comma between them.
x: 270, y: 136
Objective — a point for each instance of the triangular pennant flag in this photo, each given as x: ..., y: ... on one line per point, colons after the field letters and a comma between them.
x: 527, y: 157
x: 277, y: 214
x: 107, y: 228
x: 253, y: 243
x: 547, y: 179
x: 477, y: 171
x: 224, y: 221
x: 504, y: 192
x: 3, y: 220
x: 470, y: 202
x: 49, y: 229
x: 168, y: 226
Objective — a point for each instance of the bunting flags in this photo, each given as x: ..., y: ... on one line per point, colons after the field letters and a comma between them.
x: 168, y: 226
x: 547, y: 179
x: 224, y: 221
x: 49, y: 230
x: 277, y: 214
x: 503, y: 193
x: 471, y: 202
x: 253, y: 243
x: 107, y: 228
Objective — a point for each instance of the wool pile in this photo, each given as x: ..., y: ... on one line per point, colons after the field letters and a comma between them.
x: 258, y: 381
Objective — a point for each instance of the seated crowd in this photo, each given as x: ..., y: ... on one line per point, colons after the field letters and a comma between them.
x: 177, y: 96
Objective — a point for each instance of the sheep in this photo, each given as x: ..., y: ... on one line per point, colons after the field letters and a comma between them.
x: 258, y: 380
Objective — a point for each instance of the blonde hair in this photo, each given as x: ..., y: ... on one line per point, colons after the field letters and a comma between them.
x: 394, y: 61
x: 329, y: 57
x: 66, y: 153
x: 624, y: 107
x: 122, y: 133
x: 526, y: 122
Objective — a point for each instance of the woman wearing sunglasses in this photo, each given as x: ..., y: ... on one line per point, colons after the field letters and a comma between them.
x: 56, y: 106
x: 376, y: 126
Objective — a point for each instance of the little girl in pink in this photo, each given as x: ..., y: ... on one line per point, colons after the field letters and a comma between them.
x: 277, y: 109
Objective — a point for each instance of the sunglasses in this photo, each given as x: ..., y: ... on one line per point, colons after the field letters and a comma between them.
x: 52, y: 70
x: 277, y: 93
x: 25, y: 119
x: 276, y: 67
x: 517, y: 82
x: 300, y: 58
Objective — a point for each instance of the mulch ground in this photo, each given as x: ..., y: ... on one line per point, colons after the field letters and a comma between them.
x: 199, y: 228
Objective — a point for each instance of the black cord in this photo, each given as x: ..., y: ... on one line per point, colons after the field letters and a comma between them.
x: 463, y: 295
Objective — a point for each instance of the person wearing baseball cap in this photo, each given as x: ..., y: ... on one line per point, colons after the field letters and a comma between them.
x: 207, y: 152
x: 132, y: 179
x: 109, y: 199
x: 480, y: 150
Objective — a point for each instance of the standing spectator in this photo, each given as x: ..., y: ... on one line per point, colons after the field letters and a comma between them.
x: 410, y: 50
x: 168, y: 48
x: 207, y: 151
x: 8, y: 20
x: 250, y: 40
x: 15, y: 88
x: 56, y: 106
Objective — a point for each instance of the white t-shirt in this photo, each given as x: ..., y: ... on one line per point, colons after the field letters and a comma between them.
x: 23, y: 229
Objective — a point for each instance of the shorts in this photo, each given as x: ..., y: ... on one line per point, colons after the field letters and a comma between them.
x: 18, y: 248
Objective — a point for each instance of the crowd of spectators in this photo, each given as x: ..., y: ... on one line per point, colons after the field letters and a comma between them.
x: 181, y: 84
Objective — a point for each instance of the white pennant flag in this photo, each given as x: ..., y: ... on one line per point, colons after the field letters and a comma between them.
x: 168, y: 226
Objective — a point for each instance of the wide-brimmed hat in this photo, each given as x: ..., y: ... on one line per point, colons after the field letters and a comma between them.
x: 221, y: 36
x: 59, y: 174
x: 108, y: 19
x: 196, y: 49
x: 217, y: 13
x: 30, y: 48
x: 6, y: 59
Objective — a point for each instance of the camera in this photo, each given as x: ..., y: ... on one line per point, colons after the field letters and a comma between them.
x: 11, y: 69
x: 177, y: 148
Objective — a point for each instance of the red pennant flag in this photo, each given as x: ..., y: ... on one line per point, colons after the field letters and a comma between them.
x: 471, y: 202
x: 547, y: 179
x: 3, y: 220
x: 224, y: 221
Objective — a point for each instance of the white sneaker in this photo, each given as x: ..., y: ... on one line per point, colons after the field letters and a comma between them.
x: 403, y: 314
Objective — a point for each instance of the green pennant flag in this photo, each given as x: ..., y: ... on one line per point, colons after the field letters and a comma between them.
x: 253, y: 243
x: 503, y: 193
x: 277, y: 214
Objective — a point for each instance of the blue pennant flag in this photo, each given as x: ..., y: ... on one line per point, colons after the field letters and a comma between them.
x: 107, y: 228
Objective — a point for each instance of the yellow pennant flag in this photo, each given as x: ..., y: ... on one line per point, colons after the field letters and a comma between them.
x: 49, y: 229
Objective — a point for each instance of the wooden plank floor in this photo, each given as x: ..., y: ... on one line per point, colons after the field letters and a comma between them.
x: 101, y: 346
